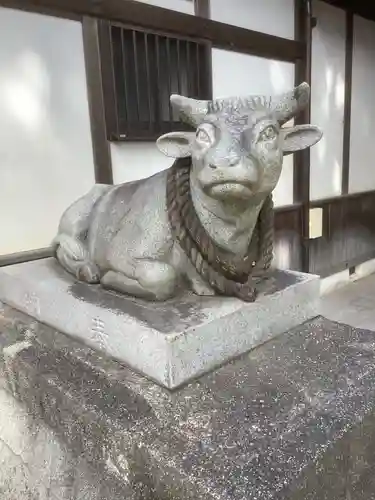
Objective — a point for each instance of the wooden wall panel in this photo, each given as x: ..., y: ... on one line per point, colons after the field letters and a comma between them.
x: 348, y: 233
x: 328, y: 252
x: 360, y: 227
x: 288, y: 223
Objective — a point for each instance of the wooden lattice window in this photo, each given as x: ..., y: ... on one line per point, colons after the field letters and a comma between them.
x: 140, y: 70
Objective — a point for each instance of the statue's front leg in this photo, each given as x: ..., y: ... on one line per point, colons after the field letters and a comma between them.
x: 151, y: 280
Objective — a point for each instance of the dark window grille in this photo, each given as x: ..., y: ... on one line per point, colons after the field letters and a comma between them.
x: 140, y: 70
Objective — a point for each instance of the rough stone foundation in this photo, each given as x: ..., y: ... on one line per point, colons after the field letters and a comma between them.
x: 293, y: 419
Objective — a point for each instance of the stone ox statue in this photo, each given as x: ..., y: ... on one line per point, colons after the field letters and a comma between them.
x: 204, y: 224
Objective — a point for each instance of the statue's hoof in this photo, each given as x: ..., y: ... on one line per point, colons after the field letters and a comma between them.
x: 89, y: 273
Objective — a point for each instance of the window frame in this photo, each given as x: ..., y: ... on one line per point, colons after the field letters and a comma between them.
x: 145, y: 130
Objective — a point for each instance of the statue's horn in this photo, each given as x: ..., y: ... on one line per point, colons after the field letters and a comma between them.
x: 190, y: 111
x: 287, y: 105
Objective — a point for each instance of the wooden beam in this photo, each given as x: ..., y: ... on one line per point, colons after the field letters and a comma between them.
x: 34, y: 7
x: 202, y: 8
x: 347, y: 102
x: 301, y: 173
x: 341, y: 198
x: 101, y: 148
x: 19, y: 257
x: 137, y: 13
x: 363, y: 8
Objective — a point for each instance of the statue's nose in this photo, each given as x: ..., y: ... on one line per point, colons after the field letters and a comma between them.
x: 226, y: 161
x: 234, y: 160
x: 244, y: 167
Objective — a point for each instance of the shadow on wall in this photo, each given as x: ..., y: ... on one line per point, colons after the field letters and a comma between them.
x: 275, y: 17
x: 333, y: 97
x: 327, y: 100
x: 362, y: 144
x: 327, y: 106
x: 327, y: 158
x: 45, y: 145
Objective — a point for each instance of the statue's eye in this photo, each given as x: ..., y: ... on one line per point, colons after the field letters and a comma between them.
x: 205, y: 136
x: 268, y: 134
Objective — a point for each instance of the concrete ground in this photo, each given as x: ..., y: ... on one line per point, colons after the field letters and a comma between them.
x: 353, y: 304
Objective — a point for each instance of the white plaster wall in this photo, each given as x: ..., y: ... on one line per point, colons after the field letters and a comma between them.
x: 275, y: 17
x: 241, y: 74
x: 136, y: 160
x: 362, y: 143
x: 46, y: 159
x: 327, y: 99
x: 185, y: 6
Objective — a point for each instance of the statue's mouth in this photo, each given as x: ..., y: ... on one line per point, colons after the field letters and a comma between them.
x: 233, y: 188
x: 234, y: 182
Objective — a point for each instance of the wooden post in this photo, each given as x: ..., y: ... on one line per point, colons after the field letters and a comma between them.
x: 101, y: 149
x: 301, y: 174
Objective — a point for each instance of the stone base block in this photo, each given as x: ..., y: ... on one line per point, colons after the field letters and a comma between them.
x: 170, y: 342
x: 291, y: 420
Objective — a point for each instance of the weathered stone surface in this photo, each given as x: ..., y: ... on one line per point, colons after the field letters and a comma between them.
x: 170, y: 343
x: 294, y: 419
x: 35, y: 464
x: 206, y: 223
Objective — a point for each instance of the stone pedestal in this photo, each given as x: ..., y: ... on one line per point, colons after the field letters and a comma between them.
x: 292, y: 420
x: 170, y: 342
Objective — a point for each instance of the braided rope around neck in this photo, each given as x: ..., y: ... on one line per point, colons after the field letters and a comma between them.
x: 226, y: 273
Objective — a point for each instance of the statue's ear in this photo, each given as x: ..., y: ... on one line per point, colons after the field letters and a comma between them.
x: 300, y: 137
x: 176, y: 144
